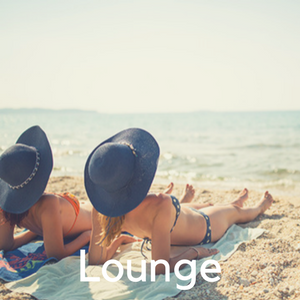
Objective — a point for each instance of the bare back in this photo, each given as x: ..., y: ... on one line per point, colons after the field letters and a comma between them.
x: 190, y: 226
x: 53, y: 217
x: 37, y: 212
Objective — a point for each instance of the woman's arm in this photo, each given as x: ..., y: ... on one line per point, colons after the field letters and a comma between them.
x: 161, y: 237
x: 117, y: 242
x: 10, y: 242
x: 6, y: 235
x: 161, y: 240
x: 99, y: 254
x: 161, y: 244
x: 23, y: 238
x: 53, y: 232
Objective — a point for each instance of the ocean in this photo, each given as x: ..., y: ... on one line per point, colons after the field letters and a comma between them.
x: 225, y: 150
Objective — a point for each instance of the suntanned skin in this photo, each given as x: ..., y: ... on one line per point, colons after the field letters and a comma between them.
x: 155, y: 216
x: 51, y: 217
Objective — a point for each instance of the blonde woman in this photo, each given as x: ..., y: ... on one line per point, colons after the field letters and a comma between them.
x: 118, y: 175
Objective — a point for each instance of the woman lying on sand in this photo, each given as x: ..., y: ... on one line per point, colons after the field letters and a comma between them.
x: 24, y: 171
x: 118, y: 175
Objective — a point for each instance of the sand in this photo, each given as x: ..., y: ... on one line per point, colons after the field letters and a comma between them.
x: 265, y: 268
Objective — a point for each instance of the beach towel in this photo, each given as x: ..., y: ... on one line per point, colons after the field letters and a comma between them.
x: 62, y: 280
x: 26, y: 260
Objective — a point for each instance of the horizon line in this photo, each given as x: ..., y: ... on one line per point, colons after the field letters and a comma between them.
x: 11, y: 109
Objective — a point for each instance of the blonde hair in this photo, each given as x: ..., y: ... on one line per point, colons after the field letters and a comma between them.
x: 111, y: 228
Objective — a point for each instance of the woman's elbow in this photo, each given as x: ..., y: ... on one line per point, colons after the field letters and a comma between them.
x: 57, y: 255
x: 92, y: 261
x: 6, y: 246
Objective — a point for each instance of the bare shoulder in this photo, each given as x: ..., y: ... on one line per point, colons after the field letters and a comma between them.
x: 47, y: 203
x: 159, y: 202
x: 162, y: 215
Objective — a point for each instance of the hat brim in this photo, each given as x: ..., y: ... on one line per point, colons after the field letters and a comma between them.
x: 19, y: 200
x: 123, y: 201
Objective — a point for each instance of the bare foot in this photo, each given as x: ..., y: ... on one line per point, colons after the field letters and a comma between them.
x: 243, y: 196
x: 266, y: 202
x: 188, y: 194
x: 205, y: 252
x: 169, y: 188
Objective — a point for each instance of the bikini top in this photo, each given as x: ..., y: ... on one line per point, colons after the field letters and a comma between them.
x: 177, y: 206
x: 147, y: 241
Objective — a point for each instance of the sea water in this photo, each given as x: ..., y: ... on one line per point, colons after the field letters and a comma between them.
x: 259, y: 150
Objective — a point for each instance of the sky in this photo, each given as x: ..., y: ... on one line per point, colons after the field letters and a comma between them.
x: 150, y: 56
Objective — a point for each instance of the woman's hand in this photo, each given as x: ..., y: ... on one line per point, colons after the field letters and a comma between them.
x: 127, y: 239
x: 204, y: 252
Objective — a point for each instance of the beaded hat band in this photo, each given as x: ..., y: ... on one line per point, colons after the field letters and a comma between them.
x: 131, y: 148
x: 25, y: 168
x: 35, y: 169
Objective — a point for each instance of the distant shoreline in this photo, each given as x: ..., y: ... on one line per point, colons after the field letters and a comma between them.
x: 36, y: 110
x: 60, y: 110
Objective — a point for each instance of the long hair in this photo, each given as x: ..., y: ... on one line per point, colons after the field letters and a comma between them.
x: 13, y: 219
x: 111, y: 228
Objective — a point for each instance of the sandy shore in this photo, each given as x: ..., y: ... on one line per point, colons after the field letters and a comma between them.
x: 265, y: 268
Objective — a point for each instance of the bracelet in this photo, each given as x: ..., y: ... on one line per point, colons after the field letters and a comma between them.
x: 197, y: 252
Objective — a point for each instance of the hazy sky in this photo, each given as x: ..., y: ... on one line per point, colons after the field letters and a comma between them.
x: 150, y: 56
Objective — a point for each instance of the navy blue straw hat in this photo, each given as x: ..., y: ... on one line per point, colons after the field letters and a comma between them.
x: 119, y: 172
x: 24, y: 171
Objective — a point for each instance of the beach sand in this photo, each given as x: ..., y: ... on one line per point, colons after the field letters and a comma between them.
x: 265, y: 268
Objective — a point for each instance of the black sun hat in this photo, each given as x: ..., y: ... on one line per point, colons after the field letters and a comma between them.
x: 119, y: 172
x: 24, y: 171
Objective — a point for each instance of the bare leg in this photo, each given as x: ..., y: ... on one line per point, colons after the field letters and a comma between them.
x: 222, y: 217
x: 239, y: 201
x: 242, y: 197
x: 196, y: 205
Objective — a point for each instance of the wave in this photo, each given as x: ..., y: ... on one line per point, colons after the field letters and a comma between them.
x: 188, y: 176
x: 280, y: 171
x: 166, y: 159
x: 265, y: 146
x: 194, y: 178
